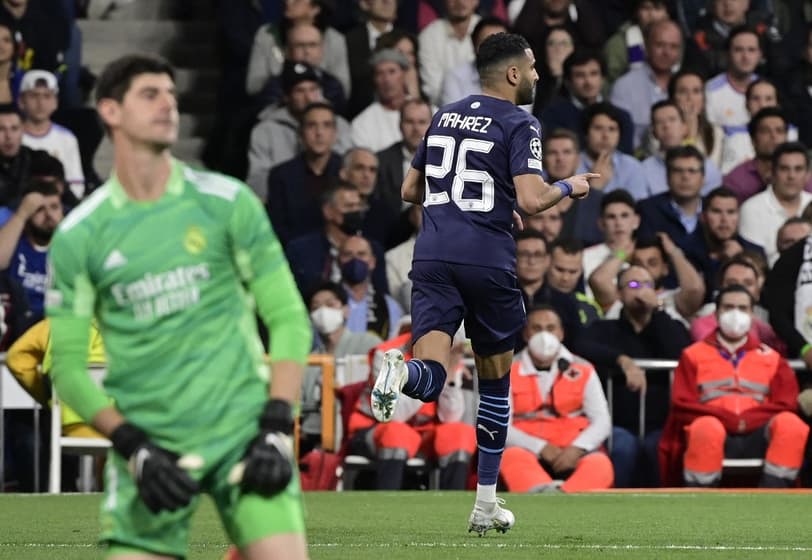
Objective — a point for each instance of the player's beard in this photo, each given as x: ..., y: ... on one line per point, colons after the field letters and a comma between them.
x: 526, y: 92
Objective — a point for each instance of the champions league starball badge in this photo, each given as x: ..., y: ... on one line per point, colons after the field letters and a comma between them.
x: 535, y: 147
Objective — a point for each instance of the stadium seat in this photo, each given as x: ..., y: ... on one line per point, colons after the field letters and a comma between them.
x: 87, y: 447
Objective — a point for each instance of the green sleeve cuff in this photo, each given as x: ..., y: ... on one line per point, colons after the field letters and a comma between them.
x: 69, y: 342
x: 281, y: 308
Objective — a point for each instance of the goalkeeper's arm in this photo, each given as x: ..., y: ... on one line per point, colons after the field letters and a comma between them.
x: 267, y: 467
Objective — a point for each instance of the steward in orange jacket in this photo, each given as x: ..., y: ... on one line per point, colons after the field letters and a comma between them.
x: 732, y: 396
x: 432, y: 430
x: 560, y: 416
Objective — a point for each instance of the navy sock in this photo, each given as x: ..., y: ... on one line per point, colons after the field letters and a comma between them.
x: 492, y: 420
x: 426, y: 380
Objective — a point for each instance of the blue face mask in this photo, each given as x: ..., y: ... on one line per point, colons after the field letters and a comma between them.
x: 354, y: 271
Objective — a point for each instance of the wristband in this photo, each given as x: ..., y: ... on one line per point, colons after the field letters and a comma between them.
x: 804, y: 348
x: 620, y: 255
x: 277, y: 417
x: 566, y: 188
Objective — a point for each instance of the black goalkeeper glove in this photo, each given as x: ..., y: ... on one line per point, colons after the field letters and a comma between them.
x: 162, y: 483
x: 267, y: 466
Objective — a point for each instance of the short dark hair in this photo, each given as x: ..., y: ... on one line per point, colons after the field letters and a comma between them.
x: 487, y: 21
x: 762, y: 114
x: 415, y: 101
x: 498, y: 49
x: 718, y: 192
x: 602, y: 108
x: 735, y: 260
x: 116, y: 78
x: 666, y: 103
x: 529, y: 233
x: 741, y: 30
x: 10, y: 109
x: 317, y: 105
x: 329, y: 196
x: 790, y: 148
x: 733, y: 289
x: 579, y: 57
x: 539, y: 307
x: 794, y: 220
x: 650, y: 242
x: 391, y: 38
x: 339, y: 292
x: 568, y: 245
x: 618, y: 196
x: 563, y: 134
x: 42, y: 186
x: 681, y: 152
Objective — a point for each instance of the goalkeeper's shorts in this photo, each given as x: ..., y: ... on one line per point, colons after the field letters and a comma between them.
x: 128, y: 526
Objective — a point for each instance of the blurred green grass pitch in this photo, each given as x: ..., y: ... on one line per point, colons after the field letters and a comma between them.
x: 432, y: 525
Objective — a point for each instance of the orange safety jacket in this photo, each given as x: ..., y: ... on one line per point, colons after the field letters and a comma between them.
x: 559, y: 417
x: 744, y: 391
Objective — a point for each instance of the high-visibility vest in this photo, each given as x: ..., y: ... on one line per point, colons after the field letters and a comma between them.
x: 559, y: 415
x: 736, y: 383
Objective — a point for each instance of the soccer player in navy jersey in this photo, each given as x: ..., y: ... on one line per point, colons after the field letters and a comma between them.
x: 480, y: 158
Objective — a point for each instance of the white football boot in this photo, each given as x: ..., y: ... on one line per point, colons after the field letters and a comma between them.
x: 483, y: 519
x: 390, y: 381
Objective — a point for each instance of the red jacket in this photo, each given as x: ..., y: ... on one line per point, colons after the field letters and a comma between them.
x: 708, y: 382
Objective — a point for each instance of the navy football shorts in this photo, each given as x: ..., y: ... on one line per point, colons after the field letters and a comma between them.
x: 487, y: 299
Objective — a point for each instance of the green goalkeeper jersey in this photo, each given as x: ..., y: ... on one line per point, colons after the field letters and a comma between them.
x: 171, y: 283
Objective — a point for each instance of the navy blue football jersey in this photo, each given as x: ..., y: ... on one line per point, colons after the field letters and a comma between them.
x: 469, y: 156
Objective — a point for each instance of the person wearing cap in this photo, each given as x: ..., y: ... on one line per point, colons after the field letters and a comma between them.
x: 445, y: 44
x: 378, y: 126
x: 274, y: 138
x: 39, y: 100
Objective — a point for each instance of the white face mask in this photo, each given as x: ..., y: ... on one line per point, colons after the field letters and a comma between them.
x: 327, y: 319
x: 544, y: 346
x: 735, y: 323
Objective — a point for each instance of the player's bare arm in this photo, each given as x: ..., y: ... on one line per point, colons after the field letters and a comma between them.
x: 534, y: 195
x: 414, y: 187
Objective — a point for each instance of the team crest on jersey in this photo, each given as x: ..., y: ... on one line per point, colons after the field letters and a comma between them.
x: 194, y: 241
x: 535, y: 147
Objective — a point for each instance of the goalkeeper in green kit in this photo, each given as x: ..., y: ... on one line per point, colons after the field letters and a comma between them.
x: 172, y: 262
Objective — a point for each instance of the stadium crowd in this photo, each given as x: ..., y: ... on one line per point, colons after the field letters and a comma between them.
x: 693, y: 244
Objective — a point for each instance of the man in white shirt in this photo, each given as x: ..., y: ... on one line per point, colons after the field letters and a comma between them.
x: 724, y: 93
x: 378, y: 126
x: 39, y: 100
x: 763, y: 214
x: 463, y: 79
x: 446, y: 43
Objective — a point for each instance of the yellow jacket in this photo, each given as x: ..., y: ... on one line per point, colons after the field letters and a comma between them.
x: 29, y: 360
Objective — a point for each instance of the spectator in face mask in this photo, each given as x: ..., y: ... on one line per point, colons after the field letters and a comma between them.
x: 560, y: 415
x: 313, y: 257
x: 327, y: 304
x: 328, y: 313
x: 370, y: 310
x: 732, y: 397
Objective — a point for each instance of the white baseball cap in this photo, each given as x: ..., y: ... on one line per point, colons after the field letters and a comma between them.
x: 39, y: 78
